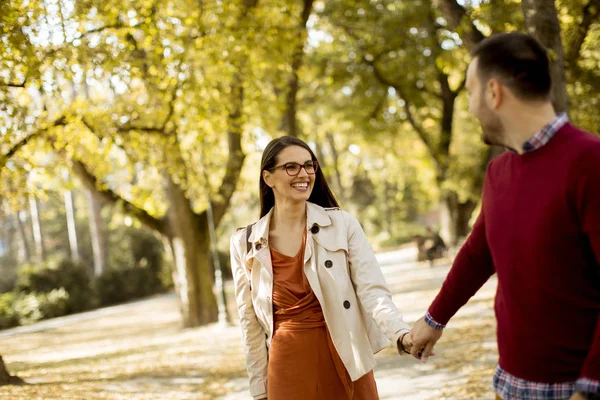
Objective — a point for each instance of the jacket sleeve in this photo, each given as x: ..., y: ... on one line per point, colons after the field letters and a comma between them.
x: 369, y: 283
x: 254, y: 336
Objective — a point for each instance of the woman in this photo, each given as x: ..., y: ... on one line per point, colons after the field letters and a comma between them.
x: 313, y: 304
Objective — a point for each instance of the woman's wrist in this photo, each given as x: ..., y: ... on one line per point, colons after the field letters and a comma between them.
x: 400, y: 344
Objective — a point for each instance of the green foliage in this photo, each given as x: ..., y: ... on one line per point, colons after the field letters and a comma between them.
x: 8, y: 315
x: 56, y: 274
x: 133, y: 247
x: 32, y: 307
x: 141, y: 89
x: 137, y: 268
x: 116, y: 286
x: 27, y: 308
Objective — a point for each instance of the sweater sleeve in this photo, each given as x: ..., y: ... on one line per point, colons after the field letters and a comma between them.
x: 472, y: 267
x: 587, y: 203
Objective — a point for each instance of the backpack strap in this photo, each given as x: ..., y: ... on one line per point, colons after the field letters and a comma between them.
x: 248, y: 233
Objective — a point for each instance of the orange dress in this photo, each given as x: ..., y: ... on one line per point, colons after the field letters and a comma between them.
x: 303, y: 363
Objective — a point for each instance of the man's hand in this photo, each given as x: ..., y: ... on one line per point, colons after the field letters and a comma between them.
x: 584, y: 396
x: 424, y: 337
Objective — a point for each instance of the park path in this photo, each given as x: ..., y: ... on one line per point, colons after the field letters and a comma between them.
x: 139, y: 351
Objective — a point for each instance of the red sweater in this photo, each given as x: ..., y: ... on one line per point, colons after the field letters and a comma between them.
x: 539, y: 230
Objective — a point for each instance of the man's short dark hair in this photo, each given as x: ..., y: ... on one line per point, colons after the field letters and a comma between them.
x: 517, y: 60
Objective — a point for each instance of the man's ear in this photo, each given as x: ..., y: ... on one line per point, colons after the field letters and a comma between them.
x: 268, y: 178
x: 494, y: 94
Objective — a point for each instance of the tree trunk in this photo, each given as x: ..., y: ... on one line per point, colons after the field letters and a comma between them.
x: 455, y: 217
x: 6, y: 378
x: 336, y: 167
x: 97, y: 232
x: 24, y: 240
x: 71, y: 228
x: 541, y: 20
x: 289, y: 123
x: 9, y: 236
x: 191, y: 251
x: 36, y: 226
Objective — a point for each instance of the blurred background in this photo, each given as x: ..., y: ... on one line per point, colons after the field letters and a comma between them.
x: 131, y: 130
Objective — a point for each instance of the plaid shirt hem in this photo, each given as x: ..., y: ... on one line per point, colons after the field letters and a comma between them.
x: 432, y: 323
x: 543, y: 136
x: 509, y: 387
x: 587, y: 385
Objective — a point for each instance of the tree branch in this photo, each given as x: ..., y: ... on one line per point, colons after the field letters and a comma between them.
x: 91, y: 182
x: 460, y: 86
x: 409, y: 115
x: 162, y: 129
x: 289, y: 121
x: 591, y: 13
x: 15, y: 85
x: 236, y: 156
x: 456, y: 15
x: 20, y: 144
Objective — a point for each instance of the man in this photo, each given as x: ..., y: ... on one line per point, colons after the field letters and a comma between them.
x: 539, y: 230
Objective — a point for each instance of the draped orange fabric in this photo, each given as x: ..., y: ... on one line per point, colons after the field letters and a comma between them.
x: 303, y: 362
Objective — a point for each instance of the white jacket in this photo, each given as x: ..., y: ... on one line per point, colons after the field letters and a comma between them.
x: 342, y: 271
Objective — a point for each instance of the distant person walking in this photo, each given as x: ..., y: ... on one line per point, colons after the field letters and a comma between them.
x: 539, y: 230
x: 437, y: 246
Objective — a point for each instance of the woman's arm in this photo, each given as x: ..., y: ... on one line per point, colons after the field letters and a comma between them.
x: 369, y: 283
x: 252, y: 332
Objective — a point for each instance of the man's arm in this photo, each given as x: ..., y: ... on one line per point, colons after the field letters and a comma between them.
x: 472, y: 267
x: 587, y: 203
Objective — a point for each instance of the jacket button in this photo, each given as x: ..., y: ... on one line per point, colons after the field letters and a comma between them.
x: 314, y: 229
x: 328, y: 264
x: 258, y: 246
x: 346, y: 304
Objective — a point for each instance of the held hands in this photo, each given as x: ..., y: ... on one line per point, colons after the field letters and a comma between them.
x: 404, y: 343
x: 423, y: 338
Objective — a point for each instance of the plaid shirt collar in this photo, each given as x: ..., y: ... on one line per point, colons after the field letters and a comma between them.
x: 545, y: 134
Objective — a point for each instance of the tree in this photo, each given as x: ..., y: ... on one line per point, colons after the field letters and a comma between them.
x: 404, y: 54
x: 38, y: 235
x: 155, y: 82
x: 541, y: 20
x: 6, y: 378
x: 289, y: 123
x: 97, y: 232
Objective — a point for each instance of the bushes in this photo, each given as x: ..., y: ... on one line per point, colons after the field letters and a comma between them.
x: 8, y: 314
x: 26, y: 308
x: 56, y: 274
x: 61, y: 286
x: 119, y: 285
x: 137, y: 267
x: 53, y: 289
x: 33, y: 307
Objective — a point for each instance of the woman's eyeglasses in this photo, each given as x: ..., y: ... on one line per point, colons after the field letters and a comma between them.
x: 293, y: 169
